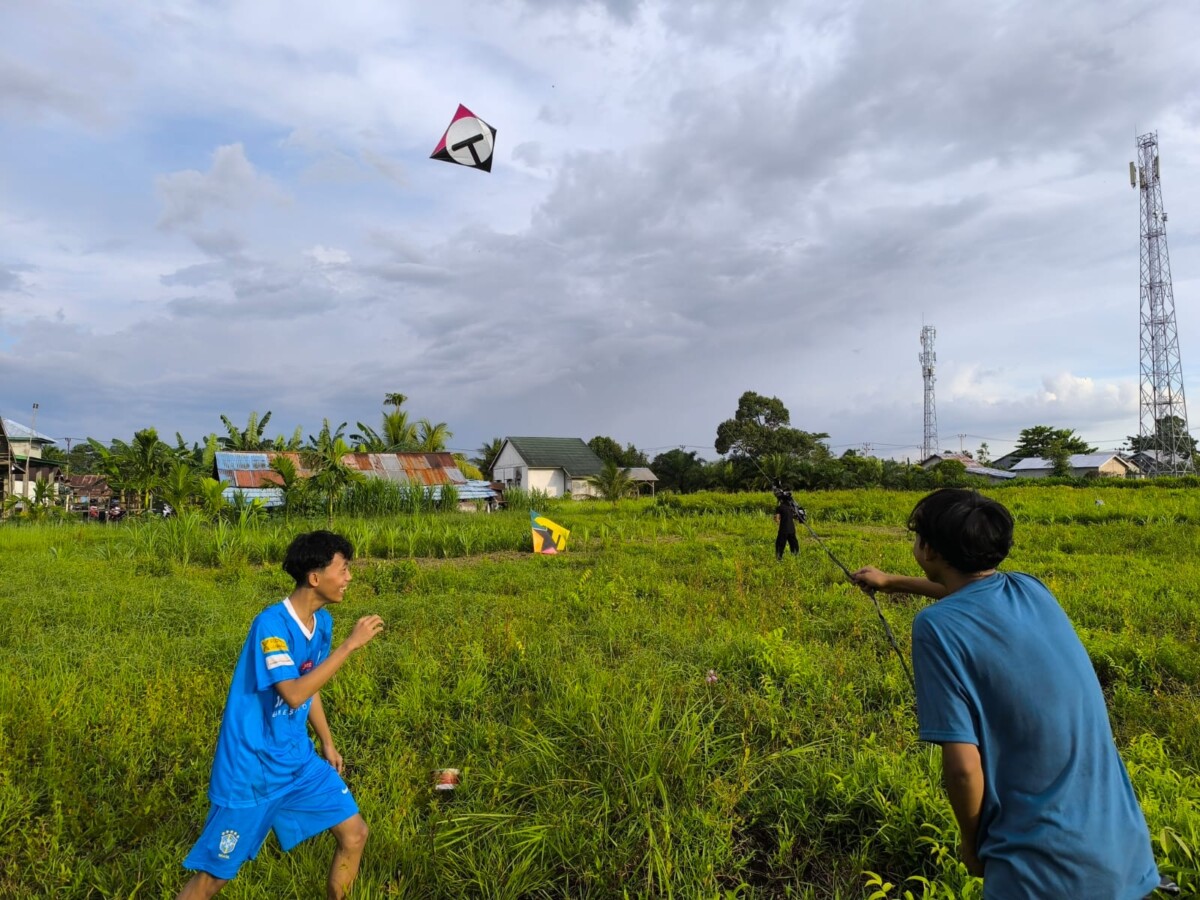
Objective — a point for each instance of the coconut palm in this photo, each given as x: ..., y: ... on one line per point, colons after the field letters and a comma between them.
x: 433, y: 436
x: 613, y: 482
x: 488, y: 454
x: 396, y: 435
x: 467, y: 467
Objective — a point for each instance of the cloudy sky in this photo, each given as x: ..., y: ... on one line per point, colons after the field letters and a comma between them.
x: 213, y: 207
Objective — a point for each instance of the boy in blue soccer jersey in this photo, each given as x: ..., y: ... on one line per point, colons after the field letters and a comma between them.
x: 266, y: 773
x: 1004, y: 685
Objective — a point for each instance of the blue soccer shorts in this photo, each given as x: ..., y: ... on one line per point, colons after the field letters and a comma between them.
x: 317, y: 801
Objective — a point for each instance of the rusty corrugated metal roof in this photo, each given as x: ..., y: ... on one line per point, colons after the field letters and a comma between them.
x: 253, y: 469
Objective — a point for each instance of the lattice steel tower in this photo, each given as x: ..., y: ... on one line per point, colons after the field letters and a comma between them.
x: 929, y: 443
x: 1162, y: 411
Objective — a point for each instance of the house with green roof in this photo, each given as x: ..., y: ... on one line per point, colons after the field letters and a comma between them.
x: 556, y: 466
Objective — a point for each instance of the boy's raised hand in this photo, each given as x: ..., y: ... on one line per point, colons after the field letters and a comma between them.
x: 364, y: 631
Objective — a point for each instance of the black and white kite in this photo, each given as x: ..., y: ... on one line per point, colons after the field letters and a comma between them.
x: 468, y: 141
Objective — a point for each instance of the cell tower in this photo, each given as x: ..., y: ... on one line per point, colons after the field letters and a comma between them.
x: 1162, y: 411
x: 929, y: 444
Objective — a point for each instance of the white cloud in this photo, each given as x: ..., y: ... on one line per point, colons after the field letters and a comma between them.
x: 231, y: 183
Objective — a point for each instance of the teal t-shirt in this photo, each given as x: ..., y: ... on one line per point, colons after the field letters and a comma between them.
x: 998, y: 665
x: 263, y: 743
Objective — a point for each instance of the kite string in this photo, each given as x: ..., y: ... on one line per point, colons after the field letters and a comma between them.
x: 869, y: 591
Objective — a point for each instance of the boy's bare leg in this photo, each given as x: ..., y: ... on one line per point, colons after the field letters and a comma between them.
x: 202, y: 887
x: 351, y: 838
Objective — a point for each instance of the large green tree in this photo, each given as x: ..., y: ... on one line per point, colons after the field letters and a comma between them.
x: 762, y: 426
x: 610, y: 450
x: 1041, y: 439
x: 1169, y: 431
x: 680, y: 470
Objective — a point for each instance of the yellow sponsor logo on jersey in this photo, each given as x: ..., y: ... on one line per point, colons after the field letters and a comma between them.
x: 274, y: 645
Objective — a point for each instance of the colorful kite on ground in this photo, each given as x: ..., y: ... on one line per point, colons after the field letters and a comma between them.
x: 548, y: 537
x: 468, y: 141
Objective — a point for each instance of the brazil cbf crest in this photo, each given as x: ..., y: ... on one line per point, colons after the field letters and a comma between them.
x: 229, y: 840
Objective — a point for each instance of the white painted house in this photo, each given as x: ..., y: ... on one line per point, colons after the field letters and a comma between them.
x: 556, y: 466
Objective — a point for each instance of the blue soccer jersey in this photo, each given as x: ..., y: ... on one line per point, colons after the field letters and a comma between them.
x: 264, y: 744
x: 998, y: 665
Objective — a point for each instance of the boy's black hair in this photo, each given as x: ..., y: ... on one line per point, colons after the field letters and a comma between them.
x: 314, y: 550
x: 971, y: 532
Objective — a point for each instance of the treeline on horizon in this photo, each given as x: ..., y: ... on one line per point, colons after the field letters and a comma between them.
x: 759, y: 449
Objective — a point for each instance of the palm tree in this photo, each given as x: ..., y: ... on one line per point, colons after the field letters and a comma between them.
x: 396, y: 435
x: 146, y: 461
x: 293, y: 487
x: 395, y: 399
x: 433, y: 437
x: 488, y: 453
x: 212, y: 497
x: 613, y: 482
x: 137, y: 467
x: 777, y: 469
x: 179, y: 485
x: 325, y: 459
x: 466, y: 467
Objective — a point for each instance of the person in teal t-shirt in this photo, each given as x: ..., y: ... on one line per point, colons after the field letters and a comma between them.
x: 266, y: 773
x: 1005, y: 686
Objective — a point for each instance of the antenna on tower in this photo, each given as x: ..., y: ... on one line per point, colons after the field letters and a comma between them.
x: 929, y: 443
x: 1162, y: 409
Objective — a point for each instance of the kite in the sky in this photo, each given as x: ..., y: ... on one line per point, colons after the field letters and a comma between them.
x: 548, y: 537
x: 468, y: 141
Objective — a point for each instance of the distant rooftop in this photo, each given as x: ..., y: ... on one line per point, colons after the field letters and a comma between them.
x: 569, y: 454
x: 18, y: 432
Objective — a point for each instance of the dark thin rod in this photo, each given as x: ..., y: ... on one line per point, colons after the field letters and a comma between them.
x: 870, y: 592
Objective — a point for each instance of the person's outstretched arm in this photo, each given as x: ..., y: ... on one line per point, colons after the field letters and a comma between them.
x: 890, y: 583
x: 295, y: 691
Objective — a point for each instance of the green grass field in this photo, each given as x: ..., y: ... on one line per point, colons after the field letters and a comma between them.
x: 597, y: 761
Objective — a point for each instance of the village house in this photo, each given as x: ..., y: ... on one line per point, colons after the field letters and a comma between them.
x: 248, y: 474
x: 973, y: 466
x: 558, y: 467
x: 1083, y: 465
x: 21, y: 462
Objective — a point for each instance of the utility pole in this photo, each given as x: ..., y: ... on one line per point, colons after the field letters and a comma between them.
x: 1162, y: 409
x: 29, y: 454
x: 929, y: 443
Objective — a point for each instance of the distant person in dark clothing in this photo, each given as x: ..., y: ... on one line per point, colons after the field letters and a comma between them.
x: 785, y: 515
